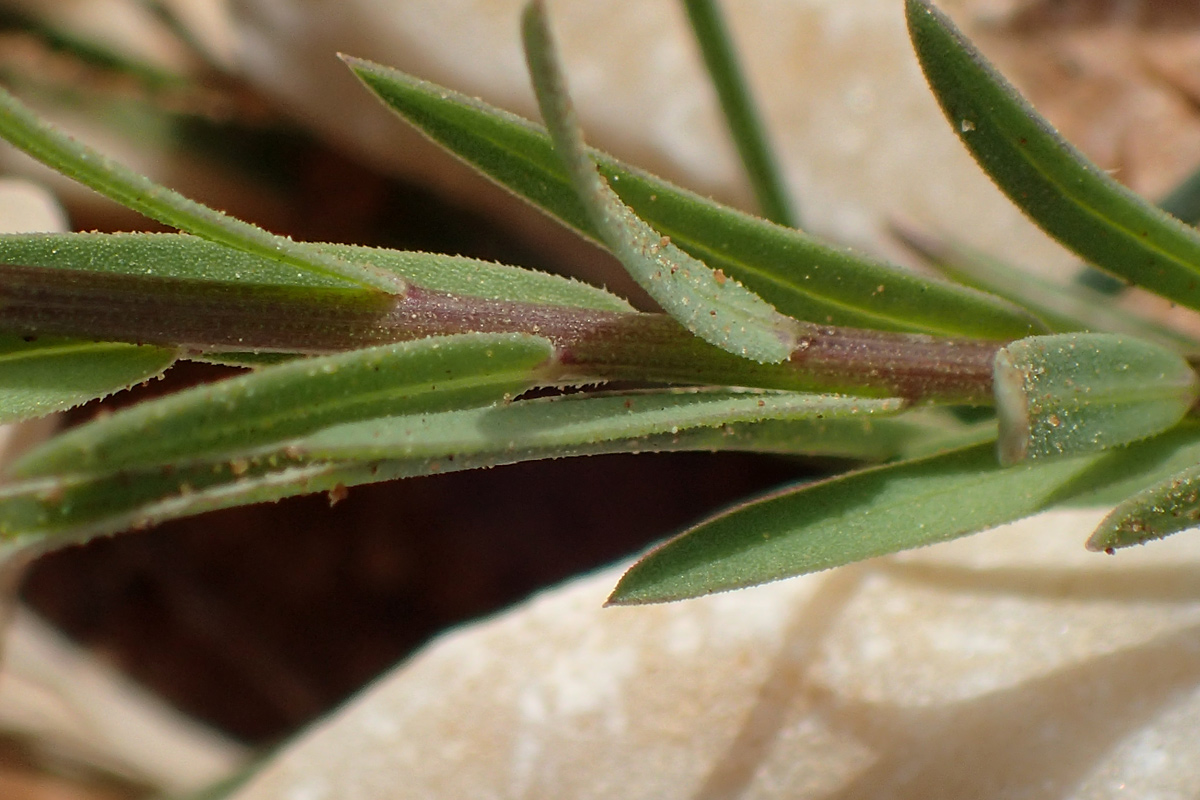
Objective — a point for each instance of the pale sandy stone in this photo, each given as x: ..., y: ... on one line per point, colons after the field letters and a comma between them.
x: 1012, y: 664
x: 26, y: 207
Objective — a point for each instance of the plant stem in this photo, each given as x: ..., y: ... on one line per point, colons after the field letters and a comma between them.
x: 593, y: 345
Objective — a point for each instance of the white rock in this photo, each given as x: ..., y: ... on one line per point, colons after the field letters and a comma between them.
x: 27, y: 207
x: 1012, y: 664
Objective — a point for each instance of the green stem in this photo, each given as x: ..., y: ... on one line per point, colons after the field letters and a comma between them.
x: 593, y: 345
x: 741, y: 114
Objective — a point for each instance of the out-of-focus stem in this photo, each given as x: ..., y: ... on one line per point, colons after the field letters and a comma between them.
x: 593, y: 345
x: 741, y: 114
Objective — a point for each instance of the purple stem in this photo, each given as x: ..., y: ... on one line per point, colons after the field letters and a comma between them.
x: 593, y: 345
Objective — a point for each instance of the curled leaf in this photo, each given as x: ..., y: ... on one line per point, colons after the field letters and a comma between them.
x: 82, y: 506
x: 562, y: 425
x: 710, y: 304
x: 796, y: 273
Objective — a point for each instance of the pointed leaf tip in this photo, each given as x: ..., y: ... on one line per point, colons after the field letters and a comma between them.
x: 1063, y: 192
x: 872, y: 512
x: 1154, y: 513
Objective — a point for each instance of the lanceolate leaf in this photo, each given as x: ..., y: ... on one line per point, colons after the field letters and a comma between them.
x: 471, y: 277
x: 886, y: 509
x: 555, y: 426
x: 54, y: 374
x: 799, y: 276
x: 1075, y: 392
x: 79, y: 506
x: 298, y: 397
x: 1154, y: 513
x: 23, y: 129
x: 181, y: 290
x: 716, y: 308
x: 1063, y: 192
x: 164, y: 255
x: 1064, y: 307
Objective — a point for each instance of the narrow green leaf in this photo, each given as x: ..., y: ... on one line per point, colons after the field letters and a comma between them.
x: 164, y: 255
x: 1064, y: 307
x: 182, y: 291
x: 1064, y: 193
x: 869, y: 438
x: 294, y: 398
x: 1182, y: 202
x: 53, y: 374
x: 1154, y: 513
x: 716, y: 308
x: 883, y: 510
x: 799, y: 276
x: 741, y: 114
x: 470, y: 277
x: 549, y: 427
x: 23, y: 129
x: 1075, y: 392
x: 76, y: 507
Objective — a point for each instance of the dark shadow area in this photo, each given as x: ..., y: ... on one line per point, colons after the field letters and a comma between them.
x: 259, y: 619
